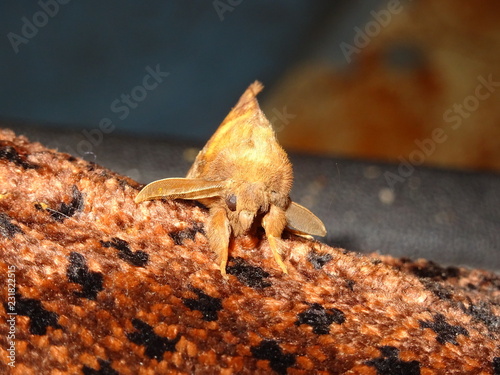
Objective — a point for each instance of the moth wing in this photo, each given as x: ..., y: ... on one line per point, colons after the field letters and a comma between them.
x: 302, y: 220
x: 180, y: 188
x: 240, y: 124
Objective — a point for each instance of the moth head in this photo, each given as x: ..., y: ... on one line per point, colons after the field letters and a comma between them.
x: 245, y: 202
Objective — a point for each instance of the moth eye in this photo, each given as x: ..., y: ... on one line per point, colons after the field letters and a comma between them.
x: 231, y: 202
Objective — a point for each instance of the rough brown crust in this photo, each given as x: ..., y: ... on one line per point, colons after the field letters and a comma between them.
x: 105, y: 286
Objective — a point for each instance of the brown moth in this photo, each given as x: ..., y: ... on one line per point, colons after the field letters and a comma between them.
x: 244, y: 178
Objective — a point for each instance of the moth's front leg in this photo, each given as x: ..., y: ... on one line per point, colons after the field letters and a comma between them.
x: 218, y: 233
x: 273, y: 223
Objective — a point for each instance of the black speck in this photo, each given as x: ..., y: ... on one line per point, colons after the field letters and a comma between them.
x: 471, y: 286
x: 155, y: 345
x: 434, y: 271
x: 496, y: 366
x: 189, y: 233
x: 40, y: 318
x: 319, y: 260
x: 105, y: 369
x: 7, y: 229
x: 208, y: 306
x: 320, y: 318
x: 350, y: 284
x: 445, y: 331
x: 483, y: 313
x: 68, y: 210
x: 249, y: 275
x: 91, y: 166
x: 79, y: 273
x: 439, y: 290
x: 389, y: 363
x: 9, y: 153
x: 270, y: 350
x: 138, y: 258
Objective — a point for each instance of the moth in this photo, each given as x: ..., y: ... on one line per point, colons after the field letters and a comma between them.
x: 244, y: 178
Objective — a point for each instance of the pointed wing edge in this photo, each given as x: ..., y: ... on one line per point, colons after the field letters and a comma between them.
x: 301, y: 219
x: 180, y: 188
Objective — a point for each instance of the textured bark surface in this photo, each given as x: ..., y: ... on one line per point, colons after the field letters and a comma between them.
x: 105, y: 286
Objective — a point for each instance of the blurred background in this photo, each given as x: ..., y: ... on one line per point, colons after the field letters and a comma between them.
x: 390, y: 109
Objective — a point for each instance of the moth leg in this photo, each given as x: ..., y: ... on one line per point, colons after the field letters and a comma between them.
x: 273, y: 223
x: 218, y: 233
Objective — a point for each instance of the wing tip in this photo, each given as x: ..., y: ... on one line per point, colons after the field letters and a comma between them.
x: 323, y: 232
x: 300, y: 218
x: 320, y: 231
x: 147, y: 193
x: 255, y: 87
x: 249, y: 97
x: 139, y: 197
